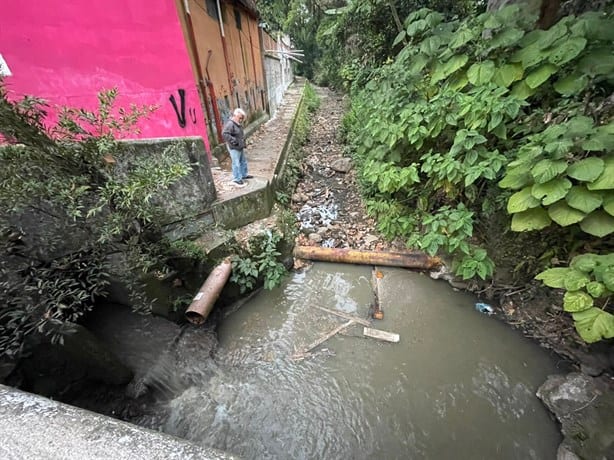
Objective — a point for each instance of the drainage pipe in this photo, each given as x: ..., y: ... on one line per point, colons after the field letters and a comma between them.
x: 406, y: 259
x: 203, y: 302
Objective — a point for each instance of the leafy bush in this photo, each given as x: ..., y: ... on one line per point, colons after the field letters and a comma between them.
x: 589, y: 284
x: 469, y: 103
x: 262, y: 264
x: 93, y: 200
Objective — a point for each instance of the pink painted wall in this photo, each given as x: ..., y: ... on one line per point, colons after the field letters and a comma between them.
x: 66, y: 51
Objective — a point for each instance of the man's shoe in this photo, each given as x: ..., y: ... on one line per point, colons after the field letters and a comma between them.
x: 238, y: 183
x: 249, y: 176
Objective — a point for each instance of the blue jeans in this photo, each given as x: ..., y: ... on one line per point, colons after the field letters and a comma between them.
x: 239, y: 164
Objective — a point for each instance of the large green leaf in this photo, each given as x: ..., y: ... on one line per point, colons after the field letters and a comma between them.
x: 578, y: 126
x: 481, y: 73
x: 586, y: 170
x: 608, y: 203
x: 566, y: 51
x: 532, y: 219
x: 594, y: 324
x: 606, y: 180
x: 552, y: 191
x: 552, y: 35
x: 575, y: 301
x: 462, y: 36
x: 418, y: 63
x: 507, y: 37
x: 508, y: 74
x: 442, y: 70
x: 540, y: 75
x: 521, y: 90
x: 598, y: 223
x: 571, y: 84
x: 576, y: 280
x: 598, y: 62
x: 416, y: 27
x: 608, y: 278
x: 545, y: 170
x: 565, y: 215
x: 516, y: 177
x: 430, y: 46
x: 584, y: 200
x: 529, y: 56
x: 554, y: 277
x: 521, y: 201
x: 596, y: 289
x: 584, y: 262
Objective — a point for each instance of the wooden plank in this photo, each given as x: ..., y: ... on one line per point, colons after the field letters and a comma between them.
x: 303, y: 354
x: 381, y: 335
x: 356, y: 319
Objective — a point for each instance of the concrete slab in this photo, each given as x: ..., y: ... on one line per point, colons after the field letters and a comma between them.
x: 33, y: 427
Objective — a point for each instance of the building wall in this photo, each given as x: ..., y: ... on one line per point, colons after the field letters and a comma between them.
x: 278, y: 69
x: 232, y: 62
x: 66, y: 51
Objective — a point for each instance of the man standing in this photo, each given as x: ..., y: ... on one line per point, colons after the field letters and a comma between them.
x: 235, y: 141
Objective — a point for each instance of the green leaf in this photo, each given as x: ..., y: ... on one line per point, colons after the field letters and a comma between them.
x: 595, y: 289
x: 575, y: 301
x: 532, y: 219
x: 575, y: 280
x: 521, y: 90
x: 584, y: 262
x: 594, y: 324
x: 540, y: 75
x: 608, y: 203
x: 606, y: 180
x: 516, y: 177
x: 553, y: 277
x: 571, y: 84
x: 546, y: 170
x: 521, y: 201
x: 598, y: 62
x: 481, y: 73
x: 582, y: 199
x: 566, y: 51
x: 507, y: 37
x: 598, y: 223
x: 552, y: 191
x: 529, y: 56
x: 586, y: 170
x: 462, y: 36
x: 508, y: 74
x: 448, y: 68
x: 608, y: 278
x: 430, y: 46
x: 565, y: 215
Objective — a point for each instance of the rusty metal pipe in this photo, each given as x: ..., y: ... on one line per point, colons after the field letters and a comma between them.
x: 409, y: 259
x: 203, y: 302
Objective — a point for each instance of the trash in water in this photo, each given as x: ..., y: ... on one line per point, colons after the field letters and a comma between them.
x: 484, y: 308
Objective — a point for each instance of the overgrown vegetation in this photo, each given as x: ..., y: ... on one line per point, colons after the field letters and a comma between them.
x: 74, y: 203
x: 485, y: 113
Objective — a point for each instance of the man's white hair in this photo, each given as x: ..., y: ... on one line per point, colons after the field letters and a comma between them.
x: 239, y: 112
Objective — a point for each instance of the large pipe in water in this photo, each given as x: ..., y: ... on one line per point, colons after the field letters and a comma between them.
x: 203, y: 302
x: 408, y: 259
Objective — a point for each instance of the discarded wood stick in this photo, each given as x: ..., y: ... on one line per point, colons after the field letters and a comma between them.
x: 321, y: 340
x: 381, y: 335
x: 356, y: 319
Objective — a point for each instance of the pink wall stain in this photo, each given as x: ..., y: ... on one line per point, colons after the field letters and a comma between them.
x: 66, y: 51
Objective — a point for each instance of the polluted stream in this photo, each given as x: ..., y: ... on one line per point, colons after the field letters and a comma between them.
x: 458, y: 384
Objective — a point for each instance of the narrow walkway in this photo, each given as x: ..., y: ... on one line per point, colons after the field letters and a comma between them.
x: 265, y: 148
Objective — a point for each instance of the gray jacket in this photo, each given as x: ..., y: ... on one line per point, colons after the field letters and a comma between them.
x: 233, y: 135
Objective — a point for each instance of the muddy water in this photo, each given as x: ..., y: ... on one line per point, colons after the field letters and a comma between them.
x: 459, y: 384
